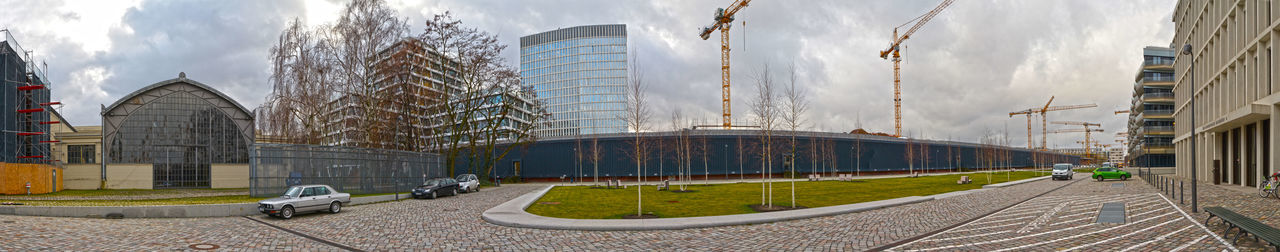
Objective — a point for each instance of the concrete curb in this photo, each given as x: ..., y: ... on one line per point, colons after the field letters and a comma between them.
x: 174, y: 211
x: 512, y: 214
x: 1010, y: 183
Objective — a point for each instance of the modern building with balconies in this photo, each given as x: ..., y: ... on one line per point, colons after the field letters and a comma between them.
x: 1151, y: 113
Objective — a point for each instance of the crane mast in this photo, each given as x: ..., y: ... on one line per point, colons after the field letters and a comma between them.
x: 897, y: 60
x: 723, y: 19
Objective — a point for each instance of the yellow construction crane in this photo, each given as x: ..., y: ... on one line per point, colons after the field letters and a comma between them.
x: 897, y: 60
x: 1044, y: 125
x: 1086, y: 131
x: 723, y: 20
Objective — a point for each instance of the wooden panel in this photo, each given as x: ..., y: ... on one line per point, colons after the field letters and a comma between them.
x: 14, y: 177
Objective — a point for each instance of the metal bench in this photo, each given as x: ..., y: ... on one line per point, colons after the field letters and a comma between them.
x: 1244, y: 224
x: 666, y: 184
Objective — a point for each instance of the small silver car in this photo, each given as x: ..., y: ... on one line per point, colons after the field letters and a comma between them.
x: 468, y: 183
x: 304, y: 198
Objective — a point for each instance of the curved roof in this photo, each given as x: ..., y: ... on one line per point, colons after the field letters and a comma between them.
x: 182, y: 78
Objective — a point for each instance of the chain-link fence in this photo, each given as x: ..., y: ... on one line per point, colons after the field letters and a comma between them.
x: 275, y: 167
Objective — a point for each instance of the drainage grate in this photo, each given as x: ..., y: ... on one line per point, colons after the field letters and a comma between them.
x: 1111, y: 213
x: 1117, y: 185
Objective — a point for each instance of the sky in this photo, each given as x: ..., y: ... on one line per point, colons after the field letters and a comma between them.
x: 962, y: 73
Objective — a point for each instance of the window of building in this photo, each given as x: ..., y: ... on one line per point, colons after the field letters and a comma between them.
x: 80, y: 154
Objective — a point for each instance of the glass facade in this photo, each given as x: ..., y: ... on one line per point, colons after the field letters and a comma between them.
x: 579, y: 74
x: 180, y: 131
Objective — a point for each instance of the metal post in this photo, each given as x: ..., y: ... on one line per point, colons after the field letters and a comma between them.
x: 1181, y: 194
x: 1186, y: 49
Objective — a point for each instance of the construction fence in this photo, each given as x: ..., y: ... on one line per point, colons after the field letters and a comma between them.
x: 43, y: 178
x: 275, y: 167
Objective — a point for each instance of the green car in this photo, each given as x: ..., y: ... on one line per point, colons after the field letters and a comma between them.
x: 1107, y: 172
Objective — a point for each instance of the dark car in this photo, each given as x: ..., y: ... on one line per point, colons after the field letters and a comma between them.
x: 436, y: 187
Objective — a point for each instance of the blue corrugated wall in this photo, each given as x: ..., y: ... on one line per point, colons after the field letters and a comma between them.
x: 559, y: 157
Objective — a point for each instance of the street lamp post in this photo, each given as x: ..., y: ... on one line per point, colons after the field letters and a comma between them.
x: 1186, y: 50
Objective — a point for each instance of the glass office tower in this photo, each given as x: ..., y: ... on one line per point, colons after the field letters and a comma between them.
x: 579, y: 74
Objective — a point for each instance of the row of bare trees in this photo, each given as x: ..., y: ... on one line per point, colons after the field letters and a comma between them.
x: 349, y: 83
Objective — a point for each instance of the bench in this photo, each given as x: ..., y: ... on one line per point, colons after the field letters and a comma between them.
x: 666, y: 184
x: 1244, y: 224
x: 964, y: 180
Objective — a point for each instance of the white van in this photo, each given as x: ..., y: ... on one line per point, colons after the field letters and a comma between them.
x: 1063, y: 171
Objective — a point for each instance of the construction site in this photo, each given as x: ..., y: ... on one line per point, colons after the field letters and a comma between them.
x: 26, y: 160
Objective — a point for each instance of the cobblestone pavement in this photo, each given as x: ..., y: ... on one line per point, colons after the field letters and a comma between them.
x: 454, y: 223
x: 165, y: 194
x: 1067, y: 219
x: 1243, y: 200
x: 28, y: 233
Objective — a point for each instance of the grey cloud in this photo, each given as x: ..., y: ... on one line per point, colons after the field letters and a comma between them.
x: 968, y: 68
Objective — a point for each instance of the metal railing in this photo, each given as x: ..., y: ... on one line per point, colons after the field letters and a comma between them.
x: 1166, y: 95
x: 1157, y: 112
x: 275, y: 167
x: 1157, y: 79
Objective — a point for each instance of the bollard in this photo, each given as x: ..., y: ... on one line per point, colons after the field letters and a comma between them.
x: 1181, y: 194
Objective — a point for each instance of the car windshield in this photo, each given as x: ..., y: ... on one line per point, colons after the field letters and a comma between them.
x: 1061, y: 168
x: 1104, y: 169
x: 293, y: 191
x: 433, y: 182
x: 462, y: 177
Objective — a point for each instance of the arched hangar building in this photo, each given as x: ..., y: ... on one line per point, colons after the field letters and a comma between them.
x: 735, y: 154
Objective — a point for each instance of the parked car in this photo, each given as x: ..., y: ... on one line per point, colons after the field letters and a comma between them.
x: 436, y: 187
x: 468, y: 183
x: 1063, y: 171
x: 304, y: 198
x: 1107, y: 172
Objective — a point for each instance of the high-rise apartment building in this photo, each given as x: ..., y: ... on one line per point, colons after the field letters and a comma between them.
x: 1151, y: 114
x: 579, y: 74
x: 1226, y: 79
x: 412, y: 81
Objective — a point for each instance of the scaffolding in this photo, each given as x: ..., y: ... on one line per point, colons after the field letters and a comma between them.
x: 27, y: 130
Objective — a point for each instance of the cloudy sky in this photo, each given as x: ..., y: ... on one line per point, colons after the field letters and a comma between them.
x: 963, y: 73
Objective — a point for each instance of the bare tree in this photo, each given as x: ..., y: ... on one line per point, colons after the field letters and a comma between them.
x: 482, y: 116
x: 794, y: 105
x: 637, y: 119
x: 595, y: 154
x: 680, y: 146
x: 765, y: 108
x: 301, y: 80
x: 857, y: 145
x: 364, y: 28
x: 909, y: 154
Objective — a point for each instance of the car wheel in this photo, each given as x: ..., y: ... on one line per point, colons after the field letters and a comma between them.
x: 1099, y: 178
x: 335, y: 207
x: 477, y: 188
x: 433, y: 195
x: 455, y: 192
x: 287, y: 212
x: 1124, y: 178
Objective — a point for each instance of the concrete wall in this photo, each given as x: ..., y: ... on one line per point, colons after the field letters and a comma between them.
x: 129, y: 176
x: 82, y: 176
x: 229, y: 176
x: 14, y: 178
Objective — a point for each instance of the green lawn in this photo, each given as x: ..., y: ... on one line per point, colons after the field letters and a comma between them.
x: 582, y: 202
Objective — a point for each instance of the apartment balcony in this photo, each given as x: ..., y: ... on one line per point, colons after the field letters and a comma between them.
x: 1157, y: 114
x: 1157, y: 64
x: 1161, y: 97
x: 1156, y: 148
x: 1155, y: 130
x: 1160, y: 81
